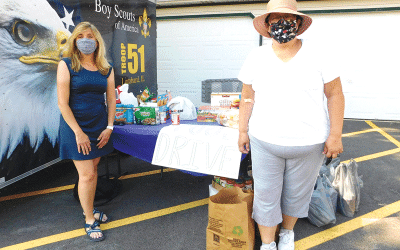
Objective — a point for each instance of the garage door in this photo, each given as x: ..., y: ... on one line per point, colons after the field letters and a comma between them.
x: 190, y: 51
x: 369, y: 60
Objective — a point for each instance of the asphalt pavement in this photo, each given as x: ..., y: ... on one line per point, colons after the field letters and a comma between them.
x: 171, y: 212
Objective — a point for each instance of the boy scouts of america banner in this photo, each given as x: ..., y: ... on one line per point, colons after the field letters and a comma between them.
x: 33, y: 34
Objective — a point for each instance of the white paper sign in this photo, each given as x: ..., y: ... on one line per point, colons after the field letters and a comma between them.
x: 203, y: 149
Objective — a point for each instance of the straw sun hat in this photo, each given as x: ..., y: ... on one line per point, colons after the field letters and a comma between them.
x: 280, y: 6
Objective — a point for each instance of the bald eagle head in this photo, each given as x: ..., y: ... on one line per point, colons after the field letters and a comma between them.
x: 32, y: 37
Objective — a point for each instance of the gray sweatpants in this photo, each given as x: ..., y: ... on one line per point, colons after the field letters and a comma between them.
x: 284, y: 179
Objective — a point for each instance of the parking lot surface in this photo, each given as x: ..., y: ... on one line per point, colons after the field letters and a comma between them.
x: 171, y: 213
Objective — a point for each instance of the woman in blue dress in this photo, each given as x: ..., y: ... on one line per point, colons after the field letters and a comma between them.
x: 86, y: 122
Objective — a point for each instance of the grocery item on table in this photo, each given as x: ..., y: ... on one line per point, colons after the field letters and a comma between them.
x: 184, y: 106
x: 162, y: 101
x: 175, y: 118
x: 147, y: 116
x: 163, y: 117
x: 144, y: 96
x: 229, y: 118
x: 209, y: 113
x: 224, y: 99
x: 124, y: 114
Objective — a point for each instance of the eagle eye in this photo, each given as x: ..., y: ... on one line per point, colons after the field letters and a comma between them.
x: 23, y: 32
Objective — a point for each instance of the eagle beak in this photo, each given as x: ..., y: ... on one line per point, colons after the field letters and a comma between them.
x: 48, y: 55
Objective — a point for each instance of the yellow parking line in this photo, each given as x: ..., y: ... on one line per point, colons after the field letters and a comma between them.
x: 119, y: 223
x: 347, y: 227
x: 389, y: 137
x: 374, y: 156
x: 146, y: 173
x: 69, y: 187
x: 360, y: 132
x: 34, y: 193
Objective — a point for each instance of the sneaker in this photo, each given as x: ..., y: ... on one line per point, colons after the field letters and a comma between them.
x: 286, y: 240
x: 271, y: 246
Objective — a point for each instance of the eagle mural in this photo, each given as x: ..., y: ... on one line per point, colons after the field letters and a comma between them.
x: 32, y: 37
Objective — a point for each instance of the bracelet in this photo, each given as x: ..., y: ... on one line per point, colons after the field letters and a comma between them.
x: 110, y: 127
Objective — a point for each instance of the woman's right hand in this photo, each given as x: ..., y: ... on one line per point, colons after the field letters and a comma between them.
x: 244, y: 142
x: 83, y: 143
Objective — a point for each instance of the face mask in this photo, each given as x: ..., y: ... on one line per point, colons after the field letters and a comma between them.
x: 284, y: 31
x: 86, y: 46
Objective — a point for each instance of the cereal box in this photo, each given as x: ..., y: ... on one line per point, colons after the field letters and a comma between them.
x: 162, y: 101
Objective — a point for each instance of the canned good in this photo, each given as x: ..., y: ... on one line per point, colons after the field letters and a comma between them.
x: 163, y: 117
x: 239, y: 183
x: 158, y: 120
x: 175, y: 119
x: 248, y: 183
x: 230, y: 183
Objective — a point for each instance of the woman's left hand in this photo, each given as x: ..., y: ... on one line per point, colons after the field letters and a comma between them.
x: 333, y: 146
x: 104, y: 138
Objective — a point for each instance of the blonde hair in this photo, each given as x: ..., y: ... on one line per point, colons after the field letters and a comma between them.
x: 99, y: 54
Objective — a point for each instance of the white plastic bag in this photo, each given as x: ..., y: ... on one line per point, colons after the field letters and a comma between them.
x: 328, y: 168
x: 229, y: 118
x: 185, y: 108
x: 331, y: 191
x: 321, y: 211
x: 128, y: 98
x: 348, y: 184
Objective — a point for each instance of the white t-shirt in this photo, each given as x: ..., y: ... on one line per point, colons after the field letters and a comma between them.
x: 289, y: 107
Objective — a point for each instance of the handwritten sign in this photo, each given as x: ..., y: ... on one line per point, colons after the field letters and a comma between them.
x: 203, y: 149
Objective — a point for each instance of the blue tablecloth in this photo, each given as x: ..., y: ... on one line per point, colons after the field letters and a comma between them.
x: 140, y: 140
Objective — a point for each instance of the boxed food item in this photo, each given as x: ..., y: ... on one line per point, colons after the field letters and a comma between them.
x: 225, y: 99
x: 162, y: 101
x: 124, y: 114
x: 147, y: 116
x: 208, y: 113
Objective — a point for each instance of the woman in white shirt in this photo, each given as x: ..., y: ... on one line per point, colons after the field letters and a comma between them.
x: 284, y: 117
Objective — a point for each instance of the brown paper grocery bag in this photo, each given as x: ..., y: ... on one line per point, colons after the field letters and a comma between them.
x: 230, y: 225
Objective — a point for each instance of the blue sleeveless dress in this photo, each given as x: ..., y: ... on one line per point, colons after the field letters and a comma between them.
x: 87, y: 103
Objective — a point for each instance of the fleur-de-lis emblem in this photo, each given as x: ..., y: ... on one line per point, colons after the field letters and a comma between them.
x: 146, y: 24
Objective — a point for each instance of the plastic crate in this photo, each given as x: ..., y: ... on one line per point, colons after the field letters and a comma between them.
x: 219, y: 85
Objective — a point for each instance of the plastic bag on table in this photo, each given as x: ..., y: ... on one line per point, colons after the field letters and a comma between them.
x: 321, y: 211
x: 128, y: 98
x: 348, y: 184
x: 185, y: 108
x: 229, y: 118
x: 328, y: 168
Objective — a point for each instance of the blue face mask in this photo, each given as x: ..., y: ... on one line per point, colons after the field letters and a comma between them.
x: 86, y: 46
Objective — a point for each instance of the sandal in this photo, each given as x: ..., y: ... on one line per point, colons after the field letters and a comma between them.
x: 89, y: 229
x: 101, y: 216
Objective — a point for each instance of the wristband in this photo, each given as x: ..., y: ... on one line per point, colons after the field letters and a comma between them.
x: 110, y: 127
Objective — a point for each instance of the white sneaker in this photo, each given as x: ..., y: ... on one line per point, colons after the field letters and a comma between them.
x: 271, y: 246
x: 286, y: 240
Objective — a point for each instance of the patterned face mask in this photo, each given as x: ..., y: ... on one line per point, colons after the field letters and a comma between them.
x: 86, y: 46
x: 284, y: 31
